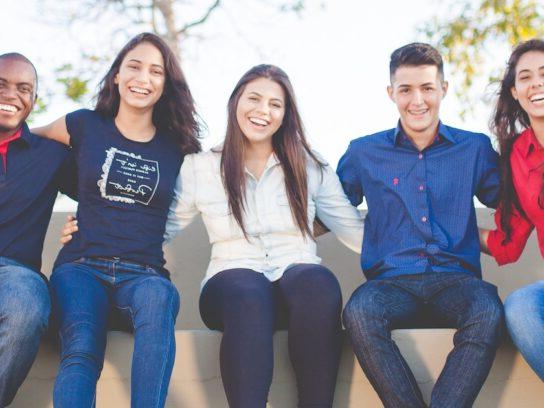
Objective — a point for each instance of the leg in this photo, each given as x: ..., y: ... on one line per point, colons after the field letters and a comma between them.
x: 24, y: 313
x: 474, y: 308
x: 82, y: 304
x: 241, y: 303
x: 152, y: 303
x: 313, y: 299
x: 374, y: 309
x: 524, y: 311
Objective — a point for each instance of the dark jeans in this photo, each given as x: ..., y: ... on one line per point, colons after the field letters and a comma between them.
x: 84, y: 294
x: 458, y: 300
x: 247, y: 307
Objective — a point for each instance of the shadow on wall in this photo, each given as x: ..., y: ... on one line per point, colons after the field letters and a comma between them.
x: 188, y: 254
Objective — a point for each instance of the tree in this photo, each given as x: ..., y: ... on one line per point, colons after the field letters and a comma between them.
x: 173, y: 20
x: 478, y: 33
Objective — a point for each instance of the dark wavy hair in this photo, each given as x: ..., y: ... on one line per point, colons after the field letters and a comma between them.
x: 416, y: 54
x: 174, y: 112
x: 289, y: 144
x: 507, y: 122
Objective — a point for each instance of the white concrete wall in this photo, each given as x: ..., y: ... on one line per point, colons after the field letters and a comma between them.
x: 196, y: 381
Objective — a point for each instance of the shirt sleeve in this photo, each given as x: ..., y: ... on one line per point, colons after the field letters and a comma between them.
x: 76, y: 122
x: 67, y: 176
x: 488, y: 185
x: 183, y: 207
x: 508, y: 252
x: 349, y: 174
x: 336, y: 212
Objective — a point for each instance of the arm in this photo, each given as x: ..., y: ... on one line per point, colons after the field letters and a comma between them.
x: 56, y: 130
x: 488, y: 186
x: 183, y: 208
x: 508, y: 252
x: 483, y: 235
x: 336, y: 212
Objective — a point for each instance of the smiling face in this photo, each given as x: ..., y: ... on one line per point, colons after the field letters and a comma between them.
x: 528, y: 89
x: 260, y: 110
x: 17, y: 94
x: 418, y: 91
x: 141, y: 78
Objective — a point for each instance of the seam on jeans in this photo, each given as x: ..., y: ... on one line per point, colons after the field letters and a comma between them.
x: 403, y: 362
x: 165, y: 360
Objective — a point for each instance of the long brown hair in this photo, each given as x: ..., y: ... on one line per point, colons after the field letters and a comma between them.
x: 289, y: 144
x: 174, y: 112
x: 508, y: 120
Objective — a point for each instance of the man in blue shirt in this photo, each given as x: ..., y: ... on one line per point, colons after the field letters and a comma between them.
x: 32, y: 170
x: 421, y: 253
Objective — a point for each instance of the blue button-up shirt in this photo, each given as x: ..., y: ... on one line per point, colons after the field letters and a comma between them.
x: 421, y: 215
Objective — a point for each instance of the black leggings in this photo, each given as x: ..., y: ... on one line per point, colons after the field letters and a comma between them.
x: 247, y: 307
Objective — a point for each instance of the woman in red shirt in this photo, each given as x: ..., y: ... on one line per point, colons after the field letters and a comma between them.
x: 521, y: 106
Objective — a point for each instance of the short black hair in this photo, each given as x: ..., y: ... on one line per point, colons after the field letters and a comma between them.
x: 415, y: 54
x: 20, y: 57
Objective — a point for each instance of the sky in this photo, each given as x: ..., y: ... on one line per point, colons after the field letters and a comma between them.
x: 337, y: 58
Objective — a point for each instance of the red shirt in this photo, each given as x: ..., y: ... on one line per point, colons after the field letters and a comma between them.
x: 4, y: 147
x: 527, y: 161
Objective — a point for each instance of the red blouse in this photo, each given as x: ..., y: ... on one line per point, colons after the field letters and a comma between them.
x: 527, y: 161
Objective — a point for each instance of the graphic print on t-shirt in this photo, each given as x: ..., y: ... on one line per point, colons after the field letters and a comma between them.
x: 128, y: 177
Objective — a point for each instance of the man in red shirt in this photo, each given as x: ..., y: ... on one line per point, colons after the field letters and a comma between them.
x: 30, y: 170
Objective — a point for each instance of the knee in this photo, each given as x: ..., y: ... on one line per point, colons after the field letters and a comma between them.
x: 360, y: 310
x: 82, y: 345
x: 489, y: 315
x: 157, y: 297
x: 26, y: 307
x: 524, y: 306
x: 313, y: 285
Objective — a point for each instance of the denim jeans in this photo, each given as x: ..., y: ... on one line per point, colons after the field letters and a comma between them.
x: 247, y: 308
x: 84, y: 294
x: 457, y: 300
x: 24, y: 313
x: 524, y: 311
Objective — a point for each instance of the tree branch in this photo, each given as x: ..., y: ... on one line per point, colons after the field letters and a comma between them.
x: 201, y: 20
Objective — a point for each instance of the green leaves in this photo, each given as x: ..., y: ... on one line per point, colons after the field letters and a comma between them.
x: 474, y: 32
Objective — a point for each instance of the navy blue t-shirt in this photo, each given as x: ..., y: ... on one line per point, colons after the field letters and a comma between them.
x: 36, y: 169
x: 124, y: 189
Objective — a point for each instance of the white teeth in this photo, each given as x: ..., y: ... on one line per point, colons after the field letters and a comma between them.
x: 419, y: 112
x: 537, y: 97
x: 9, y: 108
x: 258, y: 121
x: 139, y: 90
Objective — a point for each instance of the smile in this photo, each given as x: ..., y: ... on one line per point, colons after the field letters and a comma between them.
x: 258, y: 121
x: 141, y: 91
x: 8, y: 108
x: 418, y: 112
x: 537, y: 98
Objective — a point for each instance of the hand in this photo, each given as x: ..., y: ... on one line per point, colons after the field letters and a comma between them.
x: 319, y: 228
x: 483, y: 233
x: 69, y: 228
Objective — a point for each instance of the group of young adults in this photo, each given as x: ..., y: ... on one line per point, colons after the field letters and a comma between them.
x: 135, y: 167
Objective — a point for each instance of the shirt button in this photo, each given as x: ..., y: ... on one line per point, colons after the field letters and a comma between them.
x: 420, y: 155
x: 421, y: 188
x: 424, y: 219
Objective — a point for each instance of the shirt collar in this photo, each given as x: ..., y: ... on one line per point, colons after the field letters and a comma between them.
x: 26, y: 138
x: 528, y: 142
x: 443, y: 132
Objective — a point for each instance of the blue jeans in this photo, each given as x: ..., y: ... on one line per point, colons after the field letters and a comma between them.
x: 84, y: 294
x: 524, y: 311
x: 457, y: 300
x: 24, y: 313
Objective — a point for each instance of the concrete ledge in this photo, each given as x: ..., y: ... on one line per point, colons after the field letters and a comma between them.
x: 196, y: 380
